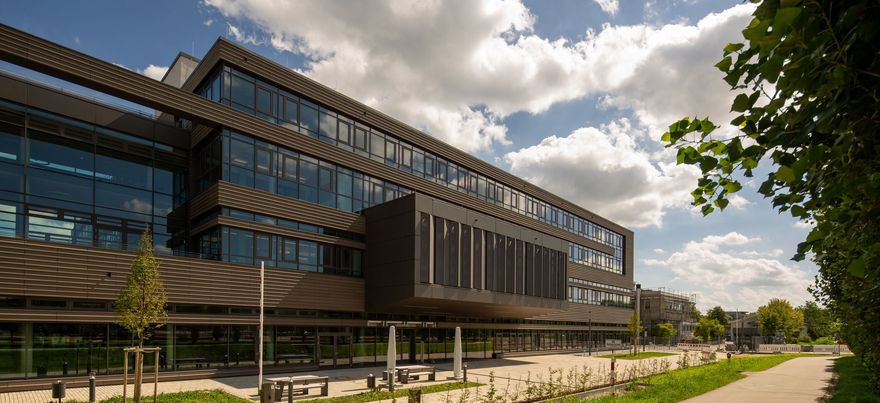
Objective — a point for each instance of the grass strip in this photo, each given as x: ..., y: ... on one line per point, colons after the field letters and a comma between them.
x: 681, y: 384
x: 197, y: 396
x: 850, y: 383
x: 639, y: 356
x: 384, y: 394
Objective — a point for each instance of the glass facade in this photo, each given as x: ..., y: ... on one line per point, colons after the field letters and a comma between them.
x: 599, y: 294
x: 270, y: 102
x: 37, y: 350
x: 65, y: 181
x: 238, y: 245
x: 252, y: 163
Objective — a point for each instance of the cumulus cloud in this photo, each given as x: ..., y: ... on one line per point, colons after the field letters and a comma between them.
x: 604, y: 169
x: 454, y: 69
x: 154, y: 72
x: 723, y: 272
x: 609, y: 6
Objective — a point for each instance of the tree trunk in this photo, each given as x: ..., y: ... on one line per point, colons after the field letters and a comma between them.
x: 138, y: 375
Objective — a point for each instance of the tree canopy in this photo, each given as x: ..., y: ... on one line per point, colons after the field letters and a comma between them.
x: 819, y: 321
x: 709, y: 329
x: 665, y: 331
x: 778, y: 316
x: 718, y: 314
x: 807, y: 108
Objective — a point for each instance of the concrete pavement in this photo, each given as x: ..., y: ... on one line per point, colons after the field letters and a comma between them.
x: 510, y: 379
x: 797, y: 380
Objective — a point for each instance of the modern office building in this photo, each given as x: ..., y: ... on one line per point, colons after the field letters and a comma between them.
x: 668, y: 306
x: 362, y: 222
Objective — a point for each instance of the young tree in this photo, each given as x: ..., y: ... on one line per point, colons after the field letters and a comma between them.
x: 807, y: 79
x: 635, y: 328
x: 718, y: 314
x: 778, y: 316
x: 819, y: 321
x: 665, y: 331
x: 709, y: 329
x: 140, y: 307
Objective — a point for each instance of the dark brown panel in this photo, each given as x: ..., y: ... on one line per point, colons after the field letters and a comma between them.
x: 600, y: 276
x: 38, y: 269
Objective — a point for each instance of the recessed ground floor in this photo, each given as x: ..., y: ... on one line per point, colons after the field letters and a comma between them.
x: 50, y: 350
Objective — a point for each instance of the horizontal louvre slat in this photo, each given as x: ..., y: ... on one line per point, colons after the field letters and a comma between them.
x: 38, y: 269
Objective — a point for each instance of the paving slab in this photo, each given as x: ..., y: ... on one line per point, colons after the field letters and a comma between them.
x: 797, y: 380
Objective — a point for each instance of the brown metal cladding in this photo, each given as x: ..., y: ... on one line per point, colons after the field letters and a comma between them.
x: 583, y: 312
x: 39, y: 269
x: 44, y: 56
x: 598, y: 275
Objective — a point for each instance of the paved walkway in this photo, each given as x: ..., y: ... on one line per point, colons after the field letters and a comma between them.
x: 510, y: 379
x: 797, y: 380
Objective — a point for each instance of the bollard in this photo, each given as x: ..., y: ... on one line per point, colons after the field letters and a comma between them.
x: 64, y: 368
x: 59, y: 390
x: 92, y: 397
x: 464, y: 372
x: 728, y: 357
x: 371, y: 382
x: 267, y: 392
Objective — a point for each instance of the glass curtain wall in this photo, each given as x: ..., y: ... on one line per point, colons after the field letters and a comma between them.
x: 69, y: 182
x: 274, y: 104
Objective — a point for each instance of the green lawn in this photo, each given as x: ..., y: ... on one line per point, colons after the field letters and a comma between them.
x: 201, y: 396
x: 685, y: 383
x: 639, y: 356
x: 384, y: 394
x: 851, y: 382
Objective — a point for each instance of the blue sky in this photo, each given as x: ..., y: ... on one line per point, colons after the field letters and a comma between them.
x: 571, y: 95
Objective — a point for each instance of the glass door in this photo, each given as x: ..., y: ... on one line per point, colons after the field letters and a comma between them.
x: 335, y: 350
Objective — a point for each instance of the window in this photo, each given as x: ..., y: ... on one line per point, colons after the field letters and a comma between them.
x: 123, y: 198
x: 242, y: 92
x: 241, y: 153
x: 308, y: 255
x: 288, y: 167
x: 360, y: 138
x: 241, y: 245
x: 11, y: 142
x: 328, y: 127
x: 59, y: 154
x: 344, y: 133
x: 309, y: 117
x: 58, y: 186
x: 289, y: 114
x: 263, y: 246
x: 265, y: 161
x: 289, y: 250
x: 265, y: 101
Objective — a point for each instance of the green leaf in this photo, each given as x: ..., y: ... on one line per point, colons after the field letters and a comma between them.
x: 724, y: 64
x: 749, y: 163
x: 857, y: 267
x: 732, y: 187
x: 708, y: 163
x: 706, y: 126
x: 732, y: 47
x: 784, y: 18
x: 798, y: 211
x: 666, y: 138
x: 721, y: 203
x: 740, y: 103
x: 707, y: 209
x: 785, y: 174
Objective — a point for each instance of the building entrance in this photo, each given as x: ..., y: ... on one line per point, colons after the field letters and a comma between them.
x: 334, y: 350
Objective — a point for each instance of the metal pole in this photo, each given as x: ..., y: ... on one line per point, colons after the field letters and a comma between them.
x: 638, y: 316
x: 156, y: 376
x: 262, y: 279
x: 124, y: 375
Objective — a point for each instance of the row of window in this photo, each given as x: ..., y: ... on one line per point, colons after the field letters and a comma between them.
x: 285, y: 223
x: 580, y: 295
x: 267, y: 101
x: 593, y: 258
x: 42, y: 140
x: 260, y: 165
x: 468, y: 257
x: 598, y: 285
x: 69, y: 182
x: 238, y: 245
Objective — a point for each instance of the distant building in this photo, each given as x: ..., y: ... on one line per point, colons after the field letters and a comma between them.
x: 744, y: 330
x: 667, y: 306
x: 736, y: 314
